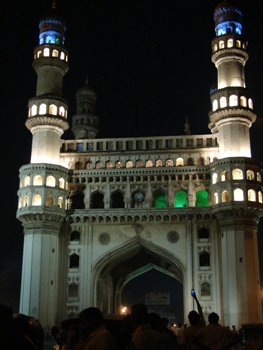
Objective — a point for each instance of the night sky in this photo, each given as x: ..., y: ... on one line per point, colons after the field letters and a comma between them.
x: 149, y: 62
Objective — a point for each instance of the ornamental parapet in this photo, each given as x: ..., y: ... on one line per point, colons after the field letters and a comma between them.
x: 47, y: 120
x: 144, y: 216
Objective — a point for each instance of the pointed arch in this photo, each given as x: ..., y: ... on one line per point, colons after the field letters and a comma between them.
x: 159, y: 199
x: 180, y: 199
x: 201, y: 199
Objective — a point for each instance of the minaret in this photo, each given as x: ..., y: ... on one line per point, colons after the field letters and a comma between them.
x: 85, y: 122
x: 235, y: 177
x: 42, y: 193
x: 232, y: 106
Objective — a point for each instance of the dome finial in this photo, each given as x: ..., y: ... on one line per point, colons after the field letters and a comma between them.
x: 187, y: 127
x: 87, y: 80
x: 53, y: 6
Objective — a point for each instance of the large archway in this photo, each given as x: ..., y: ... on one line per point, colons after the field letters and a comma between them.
x: 128, y: 268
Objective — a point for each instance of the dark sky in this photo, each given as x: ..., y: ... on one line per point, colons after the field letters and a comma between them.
x: 149, y: 62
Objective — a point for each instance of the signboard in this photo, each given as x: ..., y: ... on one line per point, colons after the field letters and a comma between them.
x: 157, y: 299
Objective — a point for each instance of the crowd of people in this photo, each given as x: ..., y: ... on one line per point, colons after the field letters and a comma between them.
x: 140, y: 330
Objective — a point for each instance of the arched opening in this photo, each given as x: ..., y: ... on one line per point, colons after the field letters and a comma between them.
x: 214, y: 178
x: 203, y: 233
x: 37, y: 180
x: 238, y: 194
x: 215, y: 198
x: 159, y: 163
x: 225, y: 196
x: 204, y: 259
x: 201, y: 199
x: 180, y: 199
x: 117, y: 200
x: 75, y: 236
x: 224, y: 175
x: 77, y: 199
x: 251, y: 195
x: 50, y: 200
x: 74, y: 261
x: 97, y: 201
x: 36, y: 199
x: 250, y: 175
x: 73, y: 291
x: 50, y: 181
x: 179, y: 162
x: 237, y: 174
x: 159, y: 199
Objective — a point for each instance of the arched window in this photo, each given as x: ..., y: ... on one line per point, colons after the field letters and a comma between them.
x: 250, y: 175
x: 37, y: 180
x: 233, y: 101
x: 238, y: 43
x: 224, y: 176
x: 243, y: 101
x: 43, y: 109
x: 60, y: 202
x: 180, y: 199
x: 215, y: 198
x: 25, y: 201
x: 201, y: 161
x: 225, y: 196
x: 237, y: 174
x: 74, y: 236
x: 223, y: 102
x: 158, y: 163
x: 99, y: 165
x: 78, y: 165
x: 97, y: 201
x: 138, y: 163
x: 215, y: 47
x: 221, y: 44
x: 51, y: 181
x: 169, y: 162
x: 117, y: 200
x: 201, y: 199
x: 55, y: 53
x: 129, y: 164
x: 205, y: 289
x: 73, y: 290
x: 62, y: 111
x: 118, y: 164
x: 238, y: 194
x: 203, y: 233
x: 230, y: 43
x: 109, y: 164
x: 74, y: 261
x: 50, y: 200
x: 149, y: 163
x: 159, y: 199
x: 27, y: 181
x: 89, y: 165
x: 258, y: 177
x: 190, y: 161
x: 260, y: 196
x: 53, y: 109
x: 34, y: 110
x: 250, y: 103
x: 46, y: 52
x: 215, y: 105
x: 61, y: 183
x: 179, y: 162
x: 204, y: 259
x: 36, y: 200
x: 214, y: 178
x: 62, y: 55
x: 251, y: 195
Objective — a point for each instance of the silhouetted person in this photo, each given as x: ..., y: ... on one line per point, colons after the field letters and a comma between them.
x: 143, y: 338
x: 214, y: 336
x: 126, y: 333
x: 197, y: 321
x: 93, y: 333
x: 6, y: 327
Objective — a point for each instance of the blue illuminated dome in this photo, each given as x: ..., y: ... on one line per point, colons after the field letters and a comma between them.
x: 52, y: 28
x: 228, y: 18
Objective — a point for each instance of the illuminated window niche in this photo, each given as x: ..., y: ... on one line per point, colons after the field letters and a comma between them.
x: 243, y: 101
x: 215, y: 105
x: 250, y: 175
x: 60, y: 202
x: 180, y: 199
x: 118, y: 164
x: 169, y: 162
x: 109, y: 164
x: 238, y: 194
x: 50, y: 200
x: 62, y: 111
x: 89, y: 165
x: 223, y: 103
x: 55, y: 53
x: 33, y: 110
x: 258, y: 177
x: 225, y: 196
x: 260, y: 196
x: 215, y: 47
x: 50, y: 181
x: 221, y: 44
x: 129, y: 164
x: 46, y: 52
x: 230, y: 43
x: 179, y: 162
x: 149, y: 163
x: 27, y: 181
x: 214, y: 178
x: 233, y: 101
x: 62, y: 55
x: 159, y: 199
x: 61, y: 183
x: 37, y: 180
x: 159, y: 163
x: 215, y: 198
x: 237, y: 174
x: 201, y: 199
x: 25, y: 201
x: 139, y: 163
x: 99, y: 165
x: 238, y: 43
x: 36, y: 200
x: 224, y: 175
x: 251, y: 195
x: 74, y: 261
x: 43, y: 109
x: 250, y: 103
x: 53, y: 109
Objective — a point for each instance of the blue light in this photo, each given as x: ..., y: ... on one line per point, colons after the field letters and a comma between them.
x: 228, y: 27
x: 51, y: 37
